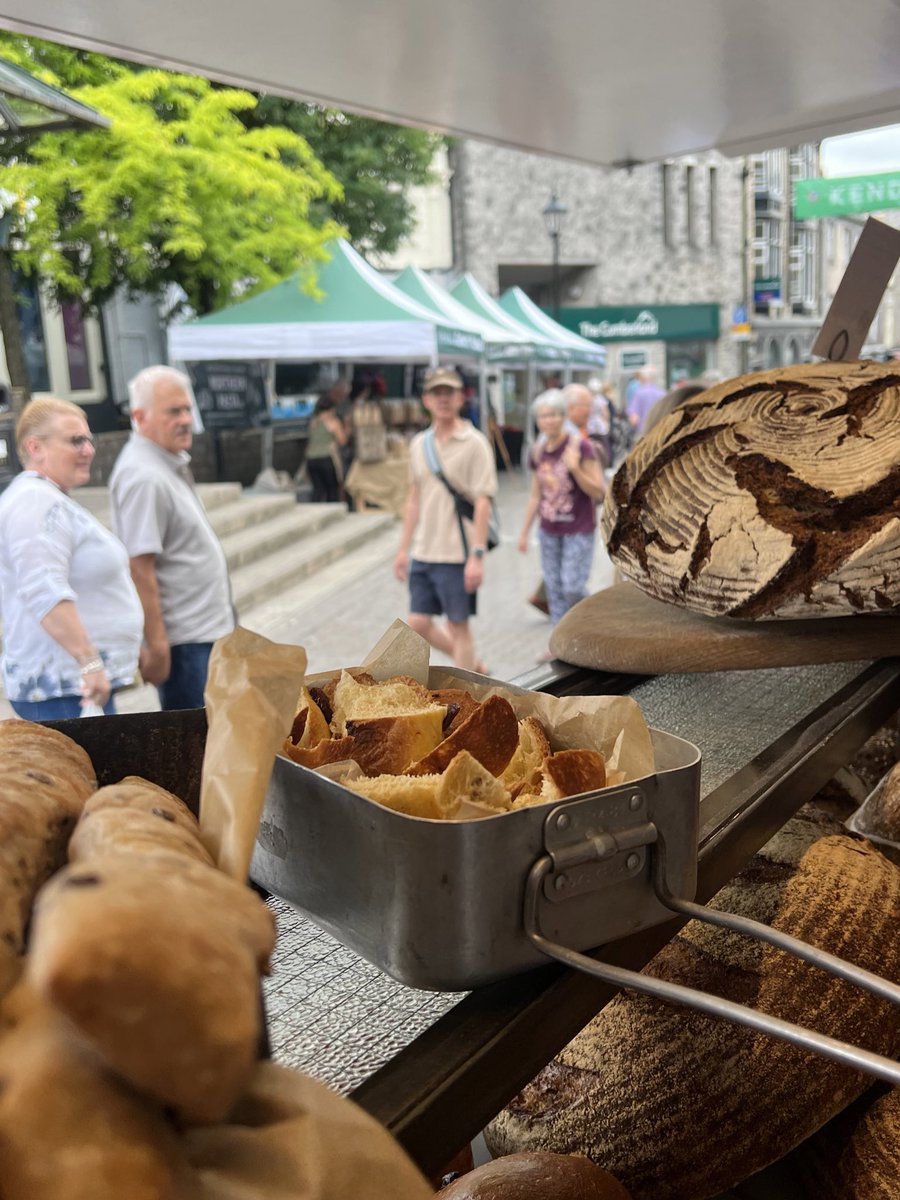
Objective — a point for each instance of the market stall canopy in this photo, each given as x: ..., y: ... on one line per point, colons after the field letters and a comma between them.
x: 469, y: 292
x: 29, y: 106
x: 597, y: 80
x: 501, y: 345
x: 361, y: 316
x: 583, y: 352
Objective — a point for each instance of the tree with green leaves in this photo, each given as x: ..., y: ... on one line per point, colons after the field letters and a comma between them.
x: 376, y: 164
x: 178, y: 190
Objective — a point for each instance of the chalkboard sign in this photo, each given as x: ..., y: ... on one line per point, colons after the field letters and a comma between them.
x: 230, y: 395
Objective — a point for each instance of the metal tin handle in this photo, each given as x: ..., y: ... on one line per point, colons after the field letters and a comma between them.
x: 675, y: 993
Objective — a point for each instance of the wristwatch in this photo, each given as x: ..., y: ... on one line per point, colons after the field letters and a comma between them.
x: 478, y: 551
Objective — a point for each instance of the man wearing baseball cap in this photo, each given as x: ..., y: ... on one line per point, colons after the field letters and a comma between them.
x: 442, y: 554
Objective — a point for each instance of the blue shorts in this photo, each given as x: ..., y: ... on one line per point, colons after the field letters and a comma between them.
x: 436, y: 588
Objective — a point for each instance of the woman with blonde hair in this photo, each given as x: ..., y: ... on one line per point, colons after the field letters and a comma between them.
x: 72, y: 620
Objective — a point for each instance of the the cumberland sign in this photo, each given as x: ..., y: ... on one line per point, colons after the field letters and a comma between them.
x: 645, y: 325
x: 644, y: 322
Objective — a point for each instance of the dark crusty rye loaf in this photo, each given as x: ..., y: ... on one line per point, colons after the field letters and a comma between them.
x: 881, y: 813
x: 536, y: 1175
x: 679, y: 1105
x: 774, y: 495
x: 857, y: 1155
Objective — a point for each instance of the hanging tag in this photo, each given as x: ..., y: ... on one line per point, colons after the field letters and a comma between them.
x: 859, y: 293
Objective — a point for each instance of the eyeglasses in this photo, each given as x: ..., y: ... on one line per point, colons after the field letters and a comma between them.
x: 79, y: 440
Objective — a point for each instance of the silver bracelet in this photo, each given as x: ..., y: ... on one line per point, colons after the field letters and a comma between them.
x: 92, y: 665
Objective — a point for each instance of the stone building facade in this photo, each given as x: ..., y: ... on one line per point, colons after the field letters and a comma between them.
x: 663, y: 234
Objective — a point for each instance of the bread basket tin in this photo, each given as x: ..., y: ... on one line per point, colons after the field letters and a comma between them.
x: 454, y: 905
x: 439, y: 904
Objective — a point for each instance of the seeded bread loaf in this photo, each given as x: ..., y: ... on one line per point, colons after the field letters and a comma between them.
x: 867, y: 1165
x: 679, y: 1105
x: 774, y: 495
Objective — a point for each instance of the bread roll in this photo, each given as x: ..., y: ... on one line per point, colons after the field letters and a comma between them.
x: 536, y: 1176
x: 110, y: 831
x: 38, y: 810
x: 774, y: 495
x: 490, y: 733
x: 156, y: 960
x: 868, y: 1165
x: 50, y: 750
x: 680, y: 1105
x: 69, y: 1130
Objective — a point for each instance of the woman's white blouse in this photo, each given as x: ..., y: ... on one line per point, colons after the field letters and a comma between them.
x: 52, y: 549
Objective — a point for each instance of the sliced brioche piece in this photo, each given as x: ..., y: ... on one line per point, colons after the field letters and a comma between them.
x: 69, y: 1129
x: 358, y: 701
x: 309, y: 727
x: 330, y: 751
x: 467, y: 779
x: 324, y: 695
x: 459, y: 702
x: 156, y: 959
x: 490, y: 733
x: 571, y: 772
x: 533, y: 747
x: 387, y: 745
x: 415, y: 795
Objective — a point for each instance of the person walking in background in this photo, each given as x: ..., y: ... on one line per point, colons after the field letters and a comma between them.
x: 442, y: 553
x: 324, y: 463
x: 72, y: 620
x: 621, y: 431
x: 643, y: 398
x: 177, y: 562
x: 598, y: 421
x: 566, y: 485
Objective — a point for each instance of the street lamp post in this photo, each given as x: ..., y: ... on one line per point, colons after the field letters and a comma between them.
x: 553, y: 213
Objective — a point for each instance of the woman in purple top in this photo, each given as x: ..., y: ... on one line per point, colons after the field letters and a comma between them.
x: 565, y: 487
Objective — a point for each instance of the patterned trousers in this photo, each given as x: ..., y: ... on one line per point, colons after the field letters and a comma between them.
x: 566, y: 564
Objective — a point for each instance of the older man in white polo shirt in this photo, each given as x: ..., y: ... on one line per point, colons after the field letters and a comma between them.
x: 177, y: 563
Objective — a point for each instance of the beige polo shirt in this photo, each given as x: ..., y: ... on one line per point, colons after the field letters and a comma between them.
x: 467, y: 461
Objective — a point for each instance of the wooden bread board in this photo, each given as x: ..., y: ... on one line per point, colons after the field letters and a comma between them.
x: 623, y: 629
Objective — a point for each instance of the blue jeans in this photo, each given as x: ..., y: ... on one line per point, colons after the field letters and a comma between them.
x: 57, y: 708
x: 565, y: 564
x: 187, y: 678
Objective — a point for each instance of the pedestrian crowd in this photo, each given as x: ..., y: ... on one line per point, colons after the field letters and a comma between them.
x: 86, y: 610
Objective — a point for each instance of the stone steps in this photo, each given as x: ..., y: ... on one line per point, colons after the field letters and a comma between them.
x: 280, y: 532
x: 263, y: 579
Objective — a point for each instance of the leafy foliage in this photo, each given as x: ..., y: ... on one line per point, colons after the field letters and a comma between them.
x: 376, y: 164
x: 178, y: 190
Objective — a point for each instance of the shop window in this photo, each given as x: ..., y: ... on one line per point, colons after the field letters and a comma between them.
x: 28, y: 306
x: 76, y: 347
x: 773, y: 353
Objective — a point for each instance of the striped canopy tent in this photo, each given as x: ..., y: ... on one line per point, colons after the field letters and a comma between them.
x: 501, y: 344
x: 583, y: 353
x: 360, y: 317
x: 469, y: 292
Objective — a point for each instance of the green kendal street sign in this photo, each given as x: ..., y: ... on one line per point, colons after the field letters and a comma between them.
x: 852, y: 194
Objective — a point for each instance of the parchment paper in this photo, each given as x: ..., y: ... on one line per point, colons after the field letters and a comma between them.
x: 614, y: 725
x: 251, y: 699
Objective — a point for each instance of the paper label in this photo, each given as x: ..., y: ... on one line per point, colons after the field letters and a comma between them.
x: 859, y: 293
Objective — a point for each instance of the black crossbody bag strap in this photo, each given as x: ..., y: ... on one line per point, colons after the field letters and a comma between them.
x: 431, y: 457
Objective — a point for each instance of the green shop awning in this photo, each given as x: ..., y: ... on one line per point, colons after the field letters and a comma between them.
x: 469, y: 292
x: 501, y: 345
x: 581, y: 352
x: 361, y: 316
x: 29, y: 106
x: 644, y: 322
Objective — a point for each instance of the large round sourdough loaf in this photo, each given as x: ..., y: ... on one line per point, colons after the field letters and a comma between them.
x: 774, y: 495
x: 679, y: 1105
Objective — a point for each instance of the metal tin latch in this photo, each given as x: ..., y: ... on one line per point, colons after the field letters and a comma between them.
x: 596, y: 843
